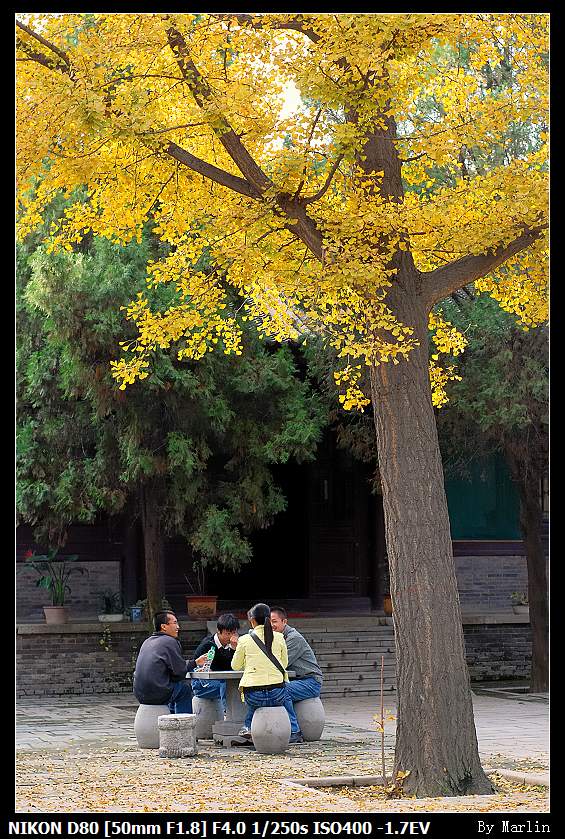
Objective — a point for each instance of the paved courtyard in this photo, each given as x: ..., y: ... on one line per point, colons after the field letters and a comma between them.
x: 79, y: 754
x: 508, y: 723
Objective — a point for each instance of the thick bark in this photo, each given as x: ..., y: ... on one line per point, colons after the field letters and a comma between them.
x: 153, y: 548
x: 436, y: 740
x: 531, y: 521
x: 130, y: 554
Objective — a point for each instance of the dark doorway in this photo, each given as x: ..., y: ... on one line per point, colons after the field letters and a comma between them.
x: 279, y: 568
x: 324, y: 549
x: 339, y: 524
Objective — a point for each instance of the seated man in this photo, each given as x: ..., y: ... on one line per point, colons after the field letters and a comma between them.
x: 307, y: 683
x: 160, y: 670
x: 224, y: 641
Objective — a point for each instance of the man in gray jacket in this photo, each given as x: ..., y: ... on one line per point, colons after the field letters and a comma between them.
x: 160, y: 670
x: 307, y: 683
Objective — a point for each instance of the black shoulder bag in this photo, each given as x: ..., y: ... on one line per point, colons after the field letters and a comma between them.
x: 269, y: 655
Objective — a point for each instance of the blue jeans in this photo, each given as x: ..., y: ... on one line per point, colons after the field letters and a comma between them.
x: 205, y: 689
x: 180, y: 700
x: 270, y: 699
x: 298, y: 689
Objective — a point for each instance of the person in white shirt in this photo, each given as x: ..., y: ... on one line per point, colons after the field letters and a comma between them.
x: 224, y: 642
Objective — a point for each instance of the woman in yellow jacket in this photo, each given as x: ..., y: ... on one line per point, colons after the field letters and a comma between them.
x: 262, y: 683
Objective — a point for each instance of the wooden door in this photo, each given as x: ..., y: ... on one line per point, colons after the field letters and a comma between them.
x: 337, y: 529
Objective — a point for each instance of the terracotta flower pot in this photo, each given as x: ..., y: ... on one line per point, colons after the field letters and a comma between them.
x: 201, y: 607
x: 387, y: 605
x: 55, y: 614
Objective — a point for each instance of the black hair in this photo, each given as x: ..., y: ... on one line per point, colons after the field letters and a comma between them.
x: 228, y: 621
x: 261, y: 614
x: 281, y: 611
x: 161, y: 617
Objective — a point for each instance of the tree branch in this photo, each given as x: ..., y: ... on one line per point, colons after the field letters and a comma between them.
x: 204, y: 98
x: 40, y: 58
x: 296, y: 23
x: 311, y: 134
x: 325, y: 187
x: 213, y: 173
x: 255, y: 179
x: 301, y: 225
x: 62, y: 55
x: 438, y: 284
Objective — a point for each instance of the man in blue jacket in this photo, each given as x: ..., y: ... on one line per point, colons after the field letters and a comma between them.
x: 160, y: 670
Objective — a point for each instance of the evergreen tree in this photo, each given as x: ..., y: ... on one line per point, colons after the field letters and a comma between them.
x: 188, y: 451
x: 501, y: 404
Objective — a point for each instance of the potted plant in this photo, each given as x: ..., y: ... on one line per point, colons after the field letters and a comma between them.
x: 53, y: 574
x: 520, y: 604
x: 112, y: 607
x: 140, y: 610
x: 199, y: 606
x: 136, y: 611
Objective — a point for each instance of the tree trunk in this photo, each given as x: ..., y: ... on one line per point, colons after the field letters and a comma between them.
x: 130, y: 555
x: 153, y: 548
x: 436, y: 740
x: 531, y: 520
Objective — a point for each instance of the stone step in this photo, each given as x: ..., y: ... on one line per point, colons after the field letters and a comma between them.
x: 371, y: 652
x: 344, y: 648
x: 498, y: 644
x: 338, y: 667
x: 353, y: 631
x: 373, y: 672
x: 350, y: 654
x: 358, y: 660
x: 369, y: 684
x: 339, y: 629
x: 369, y: 690
x: 347, y: 630
x: 350, y: 638
x: 354, y: 654
x: 373, y: 675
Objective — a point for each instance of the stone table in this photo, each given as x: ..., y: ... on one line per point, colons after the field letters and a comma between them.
x: 226, y: 733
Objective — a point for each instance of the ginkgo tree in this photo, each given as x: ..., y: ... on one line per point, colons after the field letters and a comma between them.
x: 329, y: 219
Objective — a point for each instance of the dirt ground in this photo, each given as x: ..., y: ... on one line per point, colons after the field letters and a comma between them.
x: 126, y: 779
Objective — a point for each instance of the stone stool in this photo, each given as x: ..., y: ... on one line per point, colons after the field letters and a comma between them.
x: 145, y: 725
x: 270, y: 730
x: 177, y: 736
x: 207, y: 712
x: 311, y: 717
